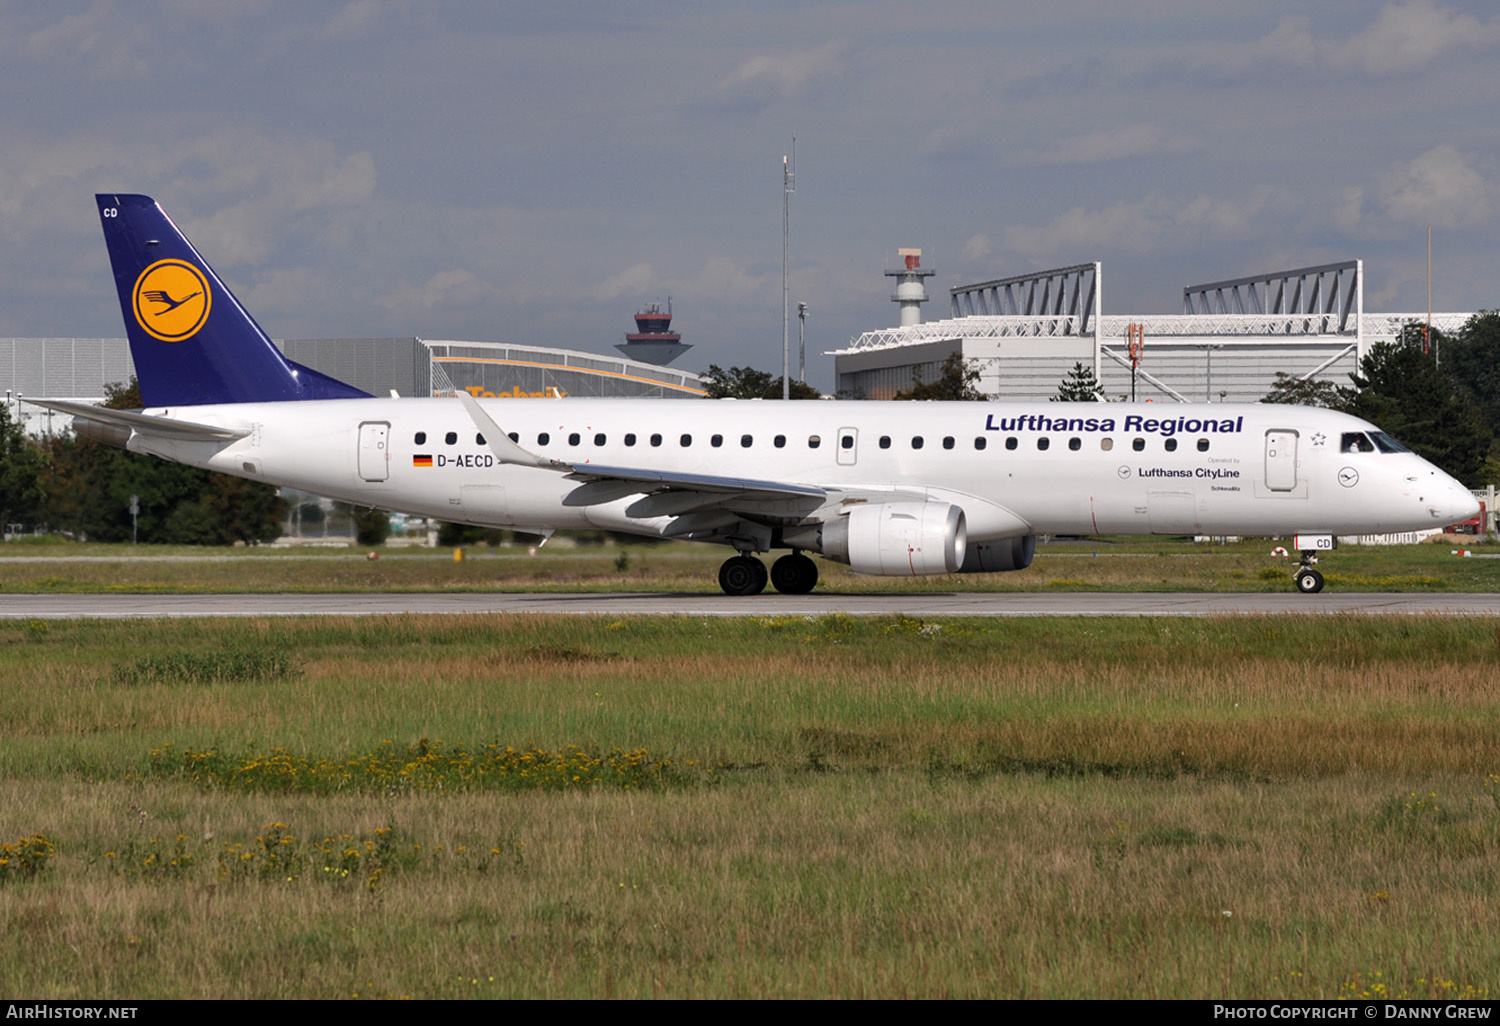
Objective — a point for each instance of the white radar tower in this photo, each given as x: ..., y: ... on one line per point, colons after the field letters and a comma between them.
x: 910, y: 292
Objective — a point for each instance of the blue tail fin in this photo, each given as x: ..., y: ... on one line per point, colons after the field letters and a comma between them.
x: 191, y: 340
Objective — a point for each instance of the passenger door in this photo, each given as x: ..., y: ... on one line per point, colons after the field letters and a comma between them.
x: 1281, y: 460
x: 374, y: 450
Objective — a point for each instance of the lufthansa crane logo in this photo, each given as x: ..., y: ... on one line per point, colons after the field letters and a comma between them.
x: 171, y: 300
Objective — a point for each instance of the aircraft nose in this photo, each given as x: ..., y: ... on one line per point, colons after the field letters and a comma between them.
x: 1461, y: 504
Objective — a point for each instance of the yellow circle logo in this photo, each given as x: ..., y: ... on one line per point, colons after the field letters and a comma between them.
x: 172, y: 300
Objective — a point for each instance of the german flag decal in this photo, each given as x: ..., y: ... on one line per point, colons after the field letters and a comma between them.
x: 421, y: 461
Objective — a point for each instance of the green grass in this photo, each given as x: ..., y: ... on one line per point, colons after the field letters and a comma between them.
x: 864, y: 807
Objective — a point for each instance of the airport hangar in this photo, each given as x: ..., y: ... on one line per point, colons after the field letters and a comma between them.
x: 1024, y: 334
x: 79, y: 368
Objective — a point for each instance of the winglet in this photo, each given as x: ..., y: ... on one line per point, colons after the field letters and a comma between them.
x: 499, y: 442
x: 191, y: 340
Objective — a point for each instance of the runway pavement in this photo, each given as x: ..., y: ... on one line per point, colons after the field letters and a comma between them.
x: 117, y: 606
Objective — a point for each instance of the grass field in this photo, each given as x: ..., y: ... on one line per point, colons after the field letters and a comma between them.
x: 1153, y: 564
x: 1238, y: 807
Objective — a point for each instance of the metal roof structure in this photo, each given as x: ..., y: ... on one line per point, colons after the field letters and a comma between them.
x: 1025, y: 331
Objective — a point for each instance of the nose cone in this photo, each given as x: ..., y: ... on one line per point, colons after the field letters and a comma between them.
x: 1461, y: 504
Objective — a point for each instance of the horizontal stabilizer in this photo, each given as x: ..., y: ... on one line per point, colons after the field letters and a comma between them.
x: 161, y: 427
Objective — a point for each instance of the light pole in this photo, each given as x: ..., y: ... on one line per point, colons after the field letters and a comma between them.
x: 802, y: 342
x: 788, y: 186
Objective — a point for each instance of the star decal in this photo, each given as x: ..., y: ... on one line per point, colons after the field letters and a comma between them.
x: 1318, y: 439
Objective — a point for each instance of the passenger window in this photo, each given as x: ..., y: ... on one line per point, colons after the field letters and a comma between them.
x: 1106, y: 444
x: 1203, y: 445
x: 779, y: 441
x: 1043, y: 442
x: 420, y: 438
x: 630, y: 438
x: 573, y: 439
x: 916, y: 442
x: 1170, y: 444
x: 451, y: 438
x: 685, y: 441
x: 1011, y: 443
x: 847, y: 441
x: 514, y: 436
x: 813, y: 441
x: 543, y: 438
x: 599, y: 439
x: 655, y: 440
x: 981, y: 442
x: 1075, y: 444
x: 1138, y: 444
x: 885, y: 441
x: 1355, y: 441
x: 716, y: 441
x: 948, y: 442
x: 746, y: 441
x: 478, y: 439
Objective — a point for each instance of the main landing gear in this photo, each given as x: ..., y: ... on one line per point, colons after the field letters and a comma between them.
x: 793, y: 574
x: 1309, y: 581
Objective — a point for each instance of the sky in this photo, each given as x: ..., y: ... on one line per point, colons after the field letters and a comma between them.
x: 537, y: 172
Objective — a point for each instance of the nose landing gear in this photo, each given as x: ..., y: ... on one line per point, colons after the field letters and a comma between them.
x: 1309, y: 581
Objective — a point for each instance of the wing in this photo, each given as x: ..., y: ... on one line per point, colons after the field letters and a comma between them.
x: 698, y: 502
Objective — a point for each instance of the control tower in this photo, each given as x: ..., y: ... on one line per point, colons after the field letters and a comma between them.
x: 653, y: 341
x: 910, y: 292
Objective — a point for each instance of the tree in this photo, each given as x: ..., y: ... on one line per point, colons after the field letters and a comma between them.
x: 1471, y: 361
x: 87, y: 487
x: 21, y: 467
x: 1400, y: 390
x: 372, y: 526
x: 1080, y: 386
x: 958, y: 382
x: 749, y: 383
x: 1307, y: 392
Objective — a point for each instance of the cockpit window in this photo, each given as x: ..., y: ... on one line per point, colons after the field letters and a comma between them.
x: 1386, y: 443
x: 1355, y: 441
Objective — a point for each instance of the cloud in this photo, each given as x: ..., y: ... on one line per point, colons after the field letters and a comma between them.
x: 445, y: 289
x: 1409, y: 37
x: 1403, y: 39
x: 1147, y: 225
x: 764, y: 78
x: 1349, y: 212
x: 977, y: 248
x: 1440, y: 188
x: 1108, y: 144
x: 635, y: 280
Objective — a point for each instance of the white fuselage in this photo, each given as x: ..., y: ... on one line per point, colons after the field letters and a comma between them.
x: 1015, y: 468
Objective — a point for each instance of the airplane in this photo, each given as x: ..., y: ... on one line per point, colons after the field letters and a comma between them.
x: 888, y: 488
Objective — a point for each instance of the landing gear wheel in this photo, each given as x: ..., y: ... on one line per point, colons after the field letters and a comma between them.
x: 794, y: 574
x: 1309, y: 582
x: 742, y: 575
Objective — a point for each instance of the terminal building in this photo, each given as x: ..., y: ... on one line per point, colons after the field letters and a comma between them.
x: 1025, y: 333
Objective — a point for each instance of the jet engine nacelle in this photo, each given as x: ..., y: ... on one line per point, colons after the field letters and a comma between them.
x: 991, y: 557
x: 897, y: 539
